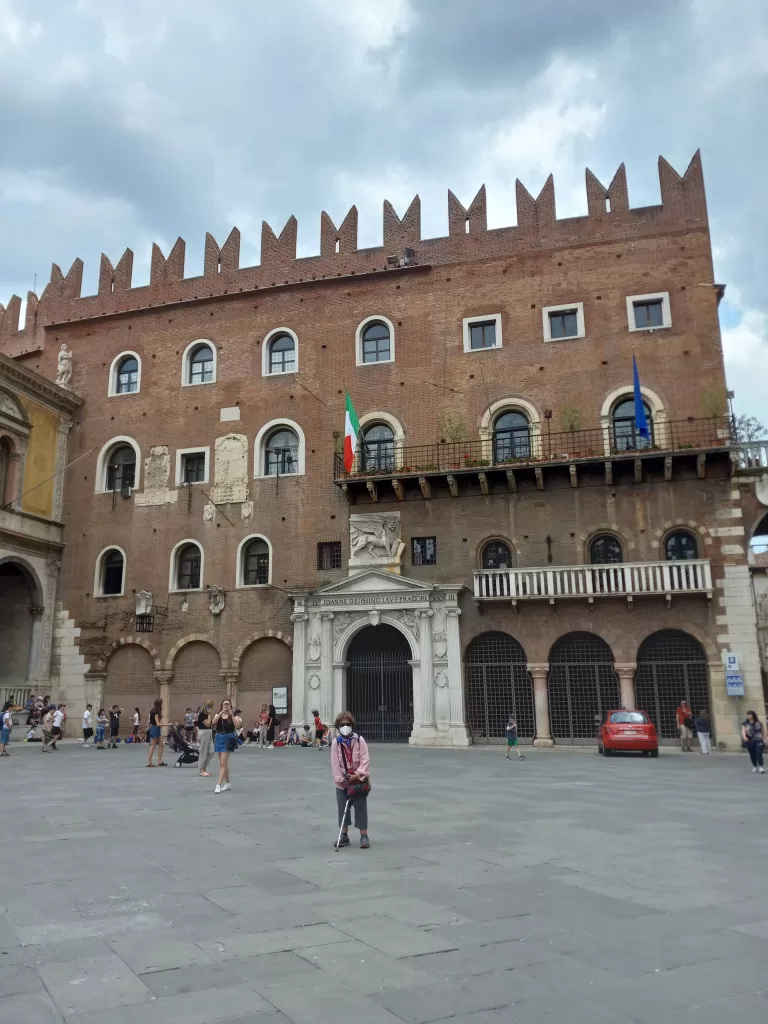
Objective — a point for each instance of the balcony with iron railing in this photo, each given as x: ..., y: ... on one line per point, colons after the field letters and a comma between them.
x: 588, y: 582
x: 394, y: 470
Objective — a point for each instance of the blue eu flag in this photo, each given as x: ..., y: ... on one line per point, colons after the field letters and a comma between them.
x: 641, y: 420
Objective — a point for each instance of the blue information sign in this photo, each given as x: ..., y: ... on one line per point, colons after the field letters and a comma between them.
x: 734, y: 684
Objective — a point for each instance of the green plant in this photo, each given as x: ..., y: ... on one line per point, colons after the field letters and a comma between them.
x: 571, y: 418
x: 715, y: 402
x: 451, y: 427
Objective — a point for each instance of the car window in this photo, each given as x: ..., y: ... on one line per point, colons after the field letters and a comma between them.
x: 628, y: 718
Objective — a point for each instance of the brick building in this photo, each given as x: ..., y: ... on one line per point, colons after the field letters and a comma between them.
x: 506, y: 538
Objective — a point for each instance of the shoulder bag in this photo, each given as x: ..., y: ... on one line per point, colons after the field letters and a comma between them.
x: 353, y: 788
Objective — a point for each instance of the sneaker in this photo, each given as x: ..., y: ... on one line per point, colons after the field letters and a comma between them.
x: 218, y: 788
x: 365, y: 843
x: 521, y: 757
x: 269, y: 746
x: 227, y: 785
x: 761, y: 771
x: 344, y: 841
x: 85, y: 746
x: 754, y: 771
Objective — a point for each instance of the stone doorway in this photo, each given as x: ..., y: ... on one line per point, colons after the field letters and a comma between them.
x: 380, y: 684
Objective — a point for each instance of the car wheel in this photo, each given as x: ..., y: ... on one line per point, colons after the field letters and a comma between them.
x: 606, y: 752
x: 600, y: 749
x: 655, y: 753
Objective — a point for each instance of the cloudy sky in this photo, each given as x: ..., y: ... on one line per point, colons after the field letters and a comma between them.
x: 128, y: 121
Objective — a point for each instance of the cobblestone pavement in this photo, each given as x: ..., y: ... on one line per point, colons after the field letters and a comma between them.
x: 563, y: 888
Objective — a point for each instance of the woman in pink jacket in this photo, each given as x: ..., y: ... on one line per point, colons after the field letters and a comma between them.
x: 350, y: 762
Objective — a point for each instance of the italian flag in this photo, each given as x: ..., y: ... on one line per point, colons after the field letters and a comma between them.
x: 351, y: 430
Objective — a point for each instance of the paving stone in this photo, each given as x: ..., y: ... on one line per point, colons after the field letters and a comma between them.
x: 29, y: 1009
x: 19, y: 980
x: 209, y: 1006
x: 93, y: 984
x: 252, y: 944
x: 192, y: 979
x: 365, y: 969
x: 268, y: 966
x: 158, y: 952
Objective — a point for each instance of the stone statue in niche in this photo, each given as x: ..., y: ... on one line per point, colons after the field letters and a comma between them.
x: 144, y: 602
x: 374, y: 539
x: 64, y: 366
x: 216, y: 600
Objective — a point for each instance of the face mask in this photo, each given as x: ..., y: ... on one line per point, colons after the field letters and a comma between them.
x: 346, y: 730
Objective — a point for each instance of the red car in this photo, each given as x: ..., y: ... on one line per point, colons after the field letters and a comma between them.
x: 627, y: 730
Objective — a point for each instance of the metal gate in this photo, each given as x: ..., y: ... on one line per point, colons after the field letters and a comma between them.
x: 671, y: 667
x: 582, y: 685
x: 497, y: 685
x: 380, y: 695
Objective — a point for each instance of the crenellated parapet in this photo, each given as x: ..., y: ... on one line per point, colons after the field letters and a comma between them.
x: 609, y: 218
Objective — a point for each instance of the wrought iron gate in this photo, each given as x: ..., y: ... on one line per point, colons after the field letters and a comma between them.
x: 497, y: 685
x: 582, y: 685
x: 380, y: 695
x: 671, y: 667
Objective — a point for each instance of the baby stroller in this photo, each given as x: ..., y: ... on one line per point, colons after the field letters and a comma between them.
x: 187, y: 754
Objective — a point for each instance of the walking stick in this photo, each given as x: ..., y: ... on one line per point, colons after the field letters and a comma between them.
x: 343, y: 819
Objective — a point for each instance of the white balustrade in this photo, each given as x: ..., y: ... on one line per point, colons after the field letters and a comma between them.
x: 753, y: 455
x: 590, y: 581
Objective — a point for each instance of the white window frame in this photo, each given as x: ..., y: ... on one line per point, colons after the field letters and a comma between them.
x: 173, y: 574
x: 467, y: 322
x: 666, y: 311
x: 564, y: 307
x: 201, y: 449
x: 98, y: 581
x: 101, y: 464
x: 359, y: 340
x: 112, y: 391
x: 259, y: 453
x: 186, y: 364
x: 265, y: 346
x: 240, y: 573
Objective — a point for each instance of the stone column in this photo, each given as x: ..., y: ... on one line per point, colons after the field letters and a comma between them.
x: 424, y: 729
x: 53, y: 565
x: 626, y: 673
x: 324, y: 695
x: 164, y: 679
x: 229, y: 678
x: 541, y: 703
x: 298, y: 669
x: 458, y: 734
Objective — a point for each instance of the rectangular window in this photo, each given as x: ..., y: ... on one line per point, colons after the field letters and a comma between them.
x: 423, y: 550
x: 329, y: 555
x: 649, y: 314
x: 564, y: 324
x: 482, y: 335
x: 257, y: 569
x: 193, y: 468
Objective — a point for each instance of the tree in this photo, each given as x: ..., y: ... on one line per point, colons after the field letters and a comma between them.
x: 748, y: 428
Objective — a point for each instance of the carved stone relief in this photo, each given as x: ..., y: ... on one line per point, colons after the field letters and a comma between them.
x: 441, y: 677
x: 314, y: 647
x: 157, y: 469
x: 216, y: 600
x: 64, y: 367
x: 230, y: 469
x: 340, y: 624
x: 246, y: 510
x: 411, y: 622
x: 440, y: 644
x: 209, y: 511
x: 374, y: 539
x: 314, y: 681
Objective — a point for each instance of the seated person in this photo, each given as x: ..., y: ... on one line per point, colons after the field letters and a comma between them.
x: 293, y: 737
x: 305, y: 739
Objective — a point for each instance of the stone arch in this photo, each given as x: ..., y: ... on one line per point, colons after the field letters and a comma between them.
x: 119, y: 441
x: 130, y: 679
x: 29, y: 572
x: 197, y: 675
x: 205, y: 638
x: 497, y: 684
x: 582, y: 685
x: 374, y: 618
x: 139, y: 642
x: 20, y: 593
x: 659, y: 414
x: 259, y: 635
x: 672, y: 665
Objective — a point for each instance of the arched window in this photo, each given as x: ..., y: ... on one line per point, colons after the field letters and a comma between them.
x: 127, y: 376
x: 121, y: 468
x: 282, y: 453
x: 376, y: 347
x: 281, y: 356
x: 111, y: 570
x: 605, y: 549
x: 497, y: 555
x: 5, y: 469
x: 200, y: 364
x: 188, y: 567
x: 255, y: 570
x: 377, y: 453
x: 626, y: 437
x: 511, y: 437
x: 680, y: 546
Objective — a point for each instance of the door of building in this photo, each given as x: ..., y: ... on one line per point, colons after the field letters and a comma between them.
x: 498, y: 685
x: 380, y: 684
x: 582, y: 685
x: 671, y: 667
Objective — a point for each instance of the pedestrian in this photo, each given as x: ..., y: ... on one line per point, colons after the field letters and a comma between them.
x: 6, y: 727
x: 512, y: 739
x: 47, y: 724
x: 271, y: 726
x: 204, y: 738
x: 225, y: 725
x: 685, y: 725
x: 136, y: 725
x: 189, y: 724
x: 87, y: 727
x: 101, y: 727
x: 114, y: 725
x: 156, y: 734
x: 263, y: 725
x: 59, y: 718
x: 319, y: 729
x: 350, y: 766
x: 753, y: 738
x: 703, y: 731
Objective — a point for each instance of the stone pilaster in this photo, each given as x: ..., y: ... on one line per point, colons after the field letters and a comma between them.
x: 539, y: 675
x: 424, y: 729
x: 299, y: 669
x: 458, y: 732
x: 324, y: 696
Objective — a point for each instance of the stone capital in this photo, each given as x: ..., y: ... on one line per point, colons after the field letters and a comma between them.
x: 327, y: 616
x: 163, y: 676
x: 299, y: 617
x: 626, y: 667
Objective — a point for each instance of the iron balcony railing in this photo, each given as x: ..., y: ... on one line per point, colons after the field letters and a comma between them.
x: 507, y: 452
x: 626, y: 579
x: 753, y: 455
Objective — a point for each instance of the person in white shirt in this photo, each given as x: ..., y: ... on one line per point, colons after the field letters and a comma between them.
x: 59, y: 716
x: 87, y: 730
x: 136, y: 725
x: 5, y: 728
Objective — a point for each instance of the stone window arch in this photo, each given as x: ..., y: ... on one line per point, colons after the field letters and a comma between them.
x: 497, y: 553
x: 187, y: 566
x: 113, y: 465
x: 495, y: 412
x: 254, y: 561
x: 656, y: 411
x: 198, y: 364
x: 280, y: 448
x: 680, y: 545
x: 280, y: 352
x: 605, y: 549
x: 375, y: 341
x: 109, y: 577
x: 125, y: 374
